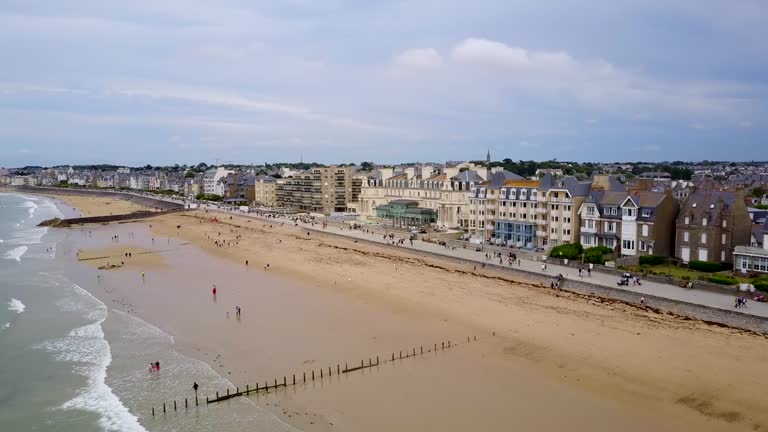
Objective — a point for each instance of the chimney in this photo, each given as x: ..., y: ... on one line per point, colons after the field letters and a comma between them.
x: 426, y: 172
x: 410, y: 172
x: 386, y: 173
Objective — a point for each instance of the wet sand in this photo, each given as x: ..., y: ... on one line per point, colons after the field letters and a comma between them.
x: 556, y: 362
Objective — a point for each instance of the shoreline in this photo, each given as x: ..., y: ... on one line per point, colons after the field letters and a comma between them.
x: 524, y: 336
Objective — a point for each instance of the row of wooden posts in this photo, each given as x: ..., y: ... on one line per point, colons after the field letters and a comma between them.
x: 285, y: 383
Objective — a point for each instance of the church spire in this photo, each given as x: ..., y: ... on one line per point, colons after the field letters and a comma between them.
x: 488, y: 157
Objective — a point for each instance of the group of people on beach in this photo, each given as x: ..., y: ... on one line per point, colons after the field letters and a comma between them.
x: 154, y: 367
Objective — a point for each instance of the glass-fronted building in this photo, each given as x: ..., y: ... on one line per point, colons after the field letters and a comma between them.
x: 406, y: 213
x: 518, y: 234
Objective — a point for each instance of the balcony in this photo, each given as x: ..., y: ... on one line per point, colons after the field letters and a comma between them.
x: 541, y: 210
x: 541, y: 233
x: 584, y: 229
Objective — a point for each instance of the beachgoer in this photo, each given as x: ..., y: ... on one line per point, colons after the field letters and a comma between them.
x: 214, y: 291
x: 642, y: 300
x: 246, y: 263
x: 195, y: 386
x: 151, y: 367
x: 157, y: 366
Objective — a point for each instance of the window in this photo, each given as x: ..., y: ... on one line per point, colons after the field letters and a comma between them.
x: 646, y: 213
x: 566, y: 220
x: 610, y: 227
x: 629, y: 212
x: 725, y: 224
x: 703, y: 221
x: 723, y: 238
x: 645, y: 231
x: 614, y: 211
x: 722, y: 255
x: 611, y: 243
x: 687, y: 220
x: 642, y: 246
x: 703, y: 237
x: 628, y: 244
x: 703, y: 255
x: 590, y: 211
x: 685, y: 236
x: 554, y: 231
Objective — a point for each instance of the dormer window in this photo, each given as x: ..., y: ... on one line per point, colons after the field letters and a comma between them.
x: 646, y: 213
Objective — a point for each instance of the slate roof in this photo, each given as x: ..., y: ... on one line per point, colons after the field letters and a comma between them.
x: 468, y: 176
x: 702, y: 204
x: 497, y: 179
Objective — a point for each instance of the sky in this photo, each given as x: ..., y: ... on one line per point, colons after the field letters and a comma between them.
x: 228, y: 81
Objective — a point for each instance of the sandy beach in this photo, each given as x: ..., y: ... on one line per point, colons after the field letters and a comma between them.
x: 92, y: 206
x: 597, y: 365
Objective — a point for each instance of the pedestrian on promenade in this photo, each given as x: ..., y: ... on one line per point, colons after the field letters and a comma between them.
x: 214, y: 291
x: 642, y: 300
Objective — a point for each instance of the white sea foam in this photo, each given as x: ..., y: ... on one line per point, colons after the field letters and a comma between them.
x: 5, y: 326
x: 28, y: 236
x: 16, y: 253
x: 87, y: 347
x: 30, y: 206
x: 16, y: 305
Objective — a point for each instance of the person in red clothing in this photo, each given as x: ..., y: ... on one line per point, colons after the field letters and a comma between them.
x: 214, y: 291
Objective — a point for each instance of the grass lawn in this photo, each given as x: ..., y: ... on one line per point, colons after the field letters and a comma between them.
x: 680, y: 272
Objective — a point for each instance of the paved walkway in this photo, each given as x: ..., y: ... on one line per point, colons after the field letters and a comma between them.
x: 694, y: 296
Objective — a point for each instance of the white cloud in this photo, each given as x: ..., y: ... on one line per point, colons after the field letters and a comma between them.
x: 483, y: 51
x: 419, y: 58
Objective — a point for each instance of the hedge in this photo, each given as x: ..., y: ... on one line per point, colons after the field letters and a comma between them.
x: 208, y: 197
x: 704, y: 266
x: 722, y: 280
x: 595, y: 255
x: 569, y: 251
x: 761, y: 285
x: 652, y: 259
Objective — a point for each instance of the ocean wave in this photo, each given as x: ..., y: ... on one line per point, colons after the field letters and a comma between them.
x: 31, y: 206
x: 16, y: 253
x: 16, y: 305
x: 5, y: 326
x: 87, y: 347
x: 28, y: 236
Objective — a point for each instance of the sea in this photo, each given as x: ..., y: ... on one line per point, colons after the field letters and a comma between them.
x: 70, y: 363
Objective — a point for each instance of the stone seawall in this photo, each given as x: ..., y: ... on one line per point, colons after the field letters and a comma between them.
x: 145, y: 201
x: 63, y: 223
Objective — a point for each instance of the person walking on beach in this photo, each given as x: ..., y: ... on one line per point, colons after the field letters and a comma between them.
x: 151, y: 368
x: 157, y: 366
x: 195, y: 387
x: 214, y: 291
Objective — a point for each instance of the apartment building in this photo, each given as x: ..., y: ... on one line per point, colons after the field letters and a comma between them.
x: 265, y: 191
x: 711, y: 224
x: 562, y: 199
x: 211, y: 179
x: 319, y: 190
x: 484, y: 203
x: 635, y: 223
x: 520, y: 221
